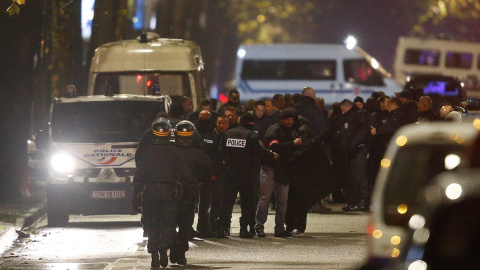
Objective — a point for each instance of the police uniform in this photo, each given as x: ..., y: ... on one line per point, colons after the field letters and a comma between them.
x: 210, y: 190
x: 199, y: 167
x: 240, y: 147
x: 356, y: 139
x: 160, y: 167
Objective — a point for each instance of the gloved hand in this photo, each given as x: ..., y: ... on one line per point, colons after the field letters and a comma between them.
x: 137, y: 202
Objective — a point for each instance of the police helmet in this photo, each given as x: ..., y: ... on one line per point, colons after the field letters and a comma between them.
x: 161, y: 130
x: 184, y: 133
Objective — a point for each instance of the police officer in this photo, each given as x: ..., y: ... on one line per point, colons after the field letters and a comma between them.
x: 199, y: 168
x: 355, y: 138
x: 240, y: 147
x: 210, y: 191
x: 160, y: 167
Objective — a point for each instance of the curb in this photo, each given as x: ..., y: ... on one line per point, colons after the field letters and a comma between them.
x: 9, y: 232
x: 7, y: 235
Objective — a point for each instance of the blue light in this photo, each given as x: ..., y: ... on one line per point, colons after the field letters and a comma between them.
x: 138, y: 19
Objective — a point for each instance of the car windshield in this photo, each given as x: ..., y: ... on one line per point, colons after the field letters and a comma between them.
x: 411, y: 170
x: 102, y: 122
x: 437, y: 87
x: 165, y: 83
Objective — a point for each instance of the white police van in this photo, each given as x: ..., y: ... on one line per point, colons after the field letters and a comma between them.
x: 332, y: 70
x: 91, y: 144
x: 149, y: 65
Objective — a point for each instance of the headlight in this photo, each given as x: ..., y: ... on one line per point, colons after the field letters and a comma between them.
x: 62, y: 163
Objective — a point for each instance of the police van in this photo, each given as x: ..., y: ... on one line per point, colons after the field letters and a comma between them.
x: 149, y: 65
x: 416, y: 56
x: 334, y: 71
x: 91, y: 144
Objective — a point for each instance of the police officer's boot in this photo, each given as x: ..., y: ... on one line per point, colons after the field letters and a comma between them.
x: 163, y: 257
x: 244, y: 233
x: 181, y: 258
x: 220, y: 233
x: 155, y: 259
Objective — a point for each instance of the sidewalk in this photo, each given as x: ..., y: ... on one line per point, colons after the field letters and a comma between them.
x: 18, y: 215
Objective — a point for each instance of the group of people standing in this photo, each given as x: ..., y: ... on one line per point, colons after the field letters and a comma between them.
x: 264, y: 150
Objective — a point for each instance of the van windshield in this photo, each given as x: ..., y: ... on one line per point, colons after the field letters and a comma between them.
x: 167, y: 83
x: 414, y: 166
x: 103, y: 122
x: 289, y: 70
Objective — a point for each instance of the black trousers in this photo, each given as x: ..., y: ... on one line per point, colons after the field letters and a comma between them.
x: 297, y: 207
x: 357, y: 185
x: 185, y: 219
x: 209, y: 205
x: 236, y: 182
x: 159, y: 209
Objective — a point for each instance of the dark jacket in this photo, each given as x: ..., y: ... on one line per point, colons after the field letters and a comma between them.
x: 210, y: 146
x: 387, y: 129
x: 199, y: 166
x: 279, y: 139
x: 239, y: 147
x: 306, y: 107
x: 428, y: 115
x: 408, y: 113
x: 160, y: 163
x: 355, y: 134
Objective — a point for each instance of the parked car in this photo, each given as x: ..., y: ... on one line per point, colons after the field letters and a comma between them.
x: 444, y: 228
x: 415, y: 155
x: 439, y: 88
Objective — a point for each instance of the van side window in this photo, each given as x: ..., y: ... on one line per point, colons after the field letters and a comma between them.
x: 360, y: 72
x: 422, y: 57
x: 288, y: 70
x: 458, y: 60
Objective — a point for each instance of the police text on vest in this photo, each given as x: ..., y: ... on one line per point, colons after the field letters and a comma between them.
x: 236, y: 143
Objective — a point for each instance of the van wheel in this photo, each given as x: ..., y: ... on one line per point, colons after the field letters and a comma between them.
x: 57, y: 213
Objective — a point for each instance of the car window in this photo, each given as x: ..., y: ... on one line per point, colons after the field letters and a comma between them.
x: 360, y: 72
x: 412, y: 168
x: 289, y: 70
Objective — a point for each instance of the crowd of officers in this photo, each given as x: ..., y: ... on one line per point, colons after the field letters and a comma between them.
x: 247, y: 149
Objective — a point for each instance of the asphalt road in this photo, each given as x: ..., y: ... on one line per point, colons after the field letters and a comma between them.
x: 332, y: 241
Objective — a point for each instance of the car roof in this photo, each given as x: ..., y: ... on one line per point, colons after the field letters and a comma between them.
x: 116, y: 97
x: 436, y: 132
x: 433, y: 77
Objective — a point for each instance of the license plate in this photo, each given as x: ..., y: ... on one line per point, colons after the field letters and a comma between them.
x: 109, y: 194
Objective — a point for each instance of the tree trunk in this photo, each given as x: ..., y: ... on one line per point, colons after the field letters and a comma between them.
x: 21, y: 39
x: 110, y: 23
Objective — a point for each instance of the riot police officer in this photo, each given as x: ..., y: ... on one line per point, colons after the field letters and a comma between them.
x: 160, y: 167
x: 199, y: 168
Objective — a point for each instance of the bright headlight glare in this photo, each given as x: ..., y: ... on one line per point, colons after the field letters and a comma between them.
x: 62, y: 163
